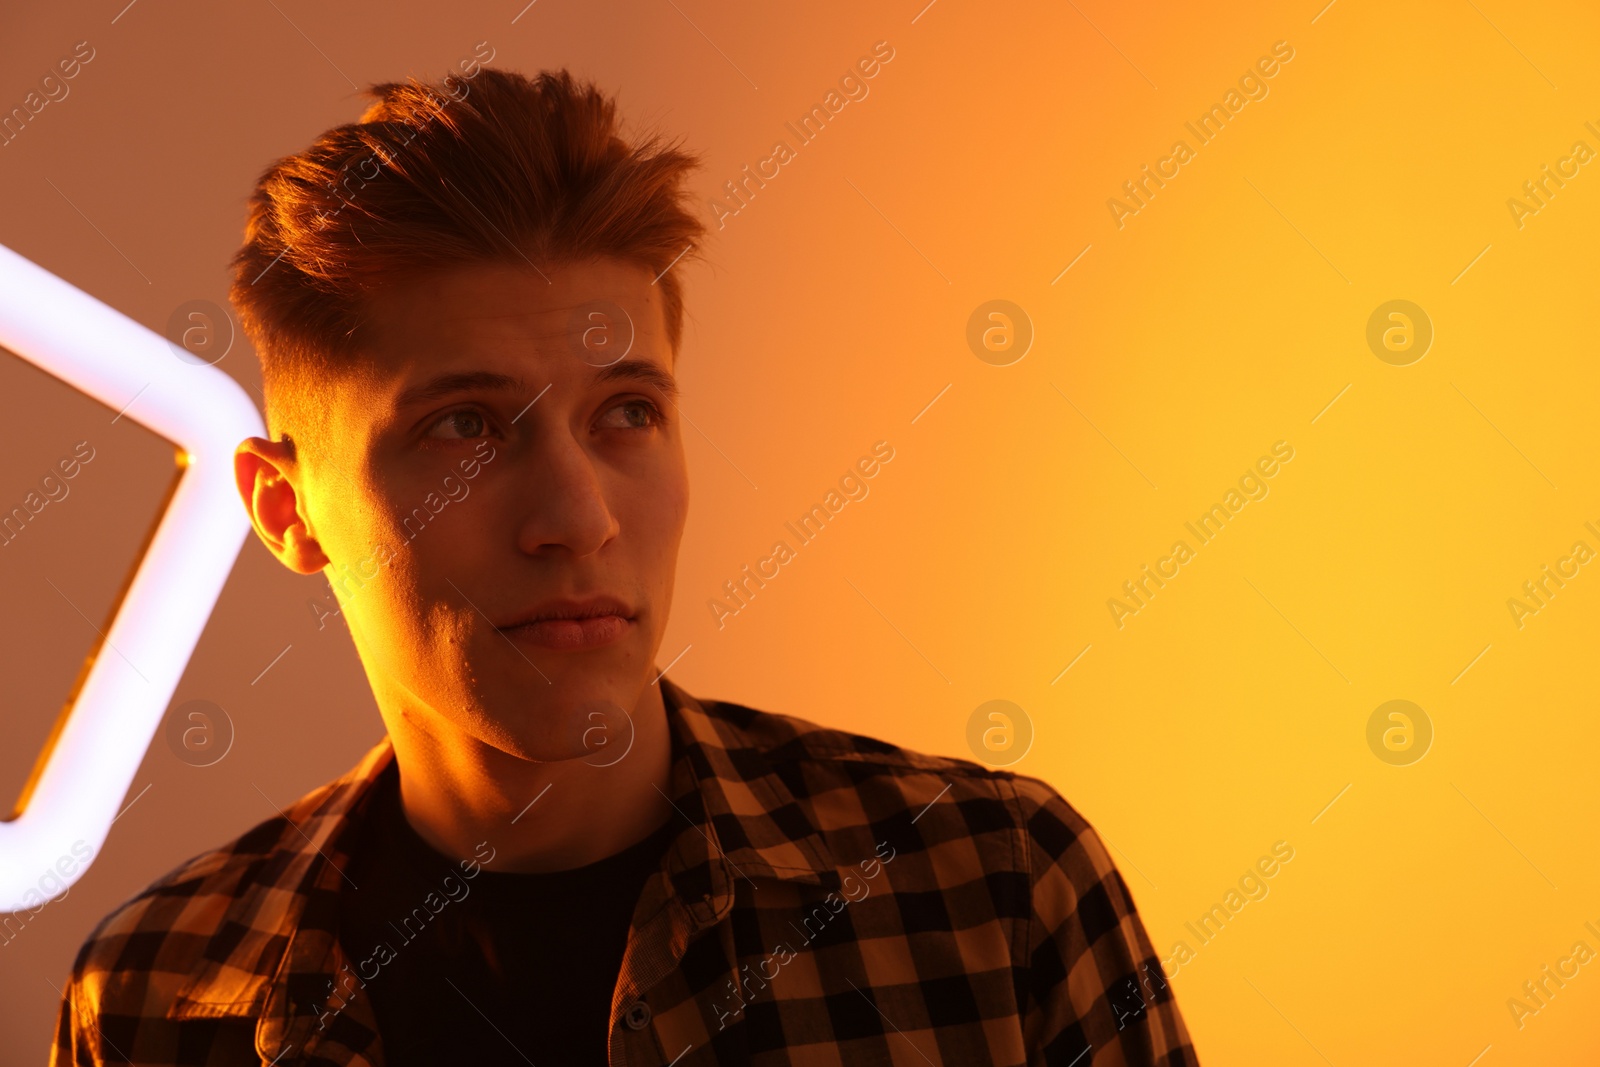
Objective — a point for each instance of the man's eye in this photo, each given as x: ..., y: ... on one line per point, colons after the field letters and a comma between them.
x: 639, y: 415
x: 459, y: 426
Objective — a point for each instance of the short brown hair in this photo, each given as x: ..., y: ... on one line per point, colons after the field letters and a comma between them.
x: 499, y: 167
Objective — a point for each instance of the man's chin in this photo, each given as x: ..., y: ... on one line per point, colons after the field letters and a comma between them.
x: 592, y: 725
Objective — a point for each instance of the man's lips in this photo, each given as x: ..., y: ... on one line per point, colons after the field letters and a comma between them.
x: 570, y: 635
x: 571, y: 625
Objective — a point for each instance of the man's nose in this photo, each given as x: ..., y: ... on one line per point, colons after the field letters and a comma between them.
x: 564, y: 499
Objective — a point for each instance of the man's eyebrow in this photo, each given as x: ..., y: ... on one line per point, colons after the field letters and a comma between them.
x: 449, y: 384
x: 640, y: 371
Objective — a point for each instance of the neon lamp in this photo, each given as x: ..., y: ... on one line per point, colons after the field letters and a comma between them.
x: 121, y: 693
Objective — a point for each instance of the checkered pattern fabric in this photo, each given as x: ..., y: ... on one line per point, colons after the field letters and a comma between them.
x: 830, y: 899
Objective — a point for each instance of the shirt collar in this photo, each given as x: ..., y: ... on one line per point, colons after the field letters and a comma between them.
x: 274, y: 951
x: 725, y: 785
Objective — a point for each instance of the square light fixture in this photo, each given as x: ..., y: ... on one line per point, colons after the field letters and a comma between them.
x: 118, y: 700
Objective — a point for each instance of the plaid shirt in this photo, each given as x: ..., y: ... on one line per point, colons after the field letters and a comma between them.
x: 830, y: 899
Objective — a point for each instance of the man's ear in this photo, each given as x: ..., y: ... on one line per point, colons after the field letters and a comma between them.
x: 265, y: 472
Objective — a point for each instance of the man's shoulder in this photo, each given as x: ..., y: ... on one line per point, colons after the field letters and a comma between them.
x: 820, y: 758
x: 785, y: 738
x: 168, y: 925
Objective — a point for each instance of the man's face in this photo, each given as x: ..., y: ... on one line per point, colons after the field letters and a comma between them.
x: 492, y: 452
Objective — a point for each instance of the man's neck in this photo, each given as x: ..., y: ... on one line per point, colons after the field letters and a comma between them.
x: 459, y: 792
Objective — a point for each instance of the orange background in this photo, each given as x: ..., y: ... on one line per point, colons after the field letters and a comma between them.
x: 1226, y: 315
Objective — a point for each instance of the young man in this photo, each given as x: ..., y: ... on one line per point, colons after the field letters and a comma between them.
x: 468, y: 314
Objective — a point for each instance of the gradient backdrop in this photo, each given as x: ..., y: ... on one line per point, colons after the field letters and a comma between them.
x: 1234, y: 709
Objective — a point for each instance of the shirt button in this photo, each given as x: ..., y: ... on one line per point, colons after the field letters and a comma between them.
x: 638, y: 1016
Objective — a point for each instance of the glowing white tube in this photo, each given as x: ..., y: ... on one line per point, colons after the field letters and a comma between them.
x: 69, y: 334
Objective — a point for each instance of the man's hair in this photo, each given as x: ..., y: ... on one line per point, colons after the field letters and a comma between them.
x: 499, y: 168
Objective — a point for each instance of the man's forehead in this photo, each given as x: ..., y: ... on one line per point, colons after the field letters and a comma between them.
x: 545, y: 318
x: 585, y: 319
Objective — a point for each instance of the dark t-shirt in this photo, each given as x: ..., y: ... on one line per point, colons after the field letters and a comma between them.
x: 494, y: 968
